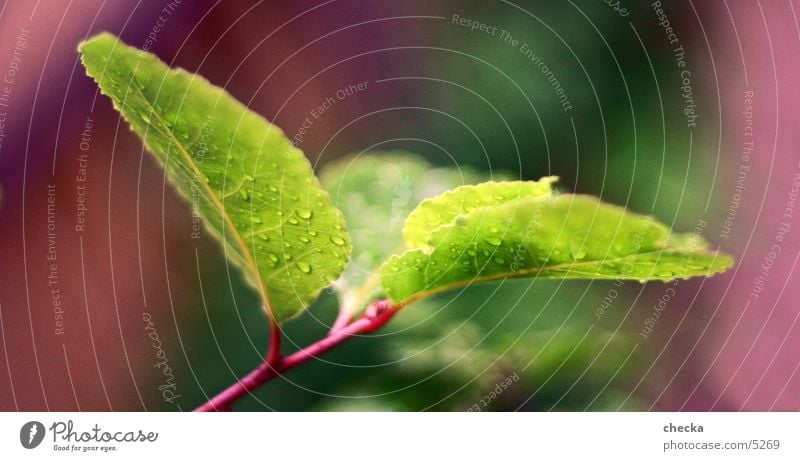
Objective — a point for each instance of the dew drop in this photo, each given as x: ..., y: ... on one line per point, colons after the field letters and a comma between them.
x: 256, y: 220
x: 304, y: 267
x: 337, y: 240
x: 272, y: 257
x: 263, y: 236
x: 303, y: 213
x: 494, y: 241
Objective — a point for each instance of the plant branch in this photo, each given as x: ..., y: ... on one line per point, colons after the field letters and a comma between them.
x: 274, y: 354
x: 376, y: 315
x: 353, y: 300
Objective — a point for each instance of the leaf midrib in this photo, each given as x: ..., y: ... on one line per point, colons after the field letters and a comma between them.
x: 247, y: 255
x: 526, y: 272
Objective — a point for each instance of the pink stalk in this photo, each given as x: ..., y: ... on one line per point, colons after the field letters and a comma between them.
x: 373, y: 318
x: 274, y: 354
x: 342, y: 320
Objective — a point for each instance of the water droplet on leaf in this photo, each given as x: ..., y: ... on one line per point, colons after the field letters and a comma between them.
x: 494, y: 241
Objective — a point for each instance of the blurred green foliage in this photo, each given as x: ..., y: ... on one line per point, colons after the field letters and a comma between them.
x: 625, y: 139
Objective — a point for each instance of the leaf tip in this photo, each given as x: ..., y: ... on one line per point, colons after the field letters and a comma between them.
x: 99, y: 39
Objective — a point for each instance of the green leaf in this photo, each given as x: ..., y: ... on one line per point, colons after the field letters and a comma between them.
x: 376, y: 192
x: 567, y: 236
x: 443, y: 209
x: 255, y: 191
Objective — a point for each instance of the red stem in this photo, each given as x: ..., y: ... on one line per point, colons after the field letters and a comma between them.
x: 274, y: 354
x: 373, y: 318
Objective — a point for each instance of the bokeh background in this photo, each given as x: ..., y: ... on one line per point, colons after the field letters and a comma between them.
x: 698, y: 128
